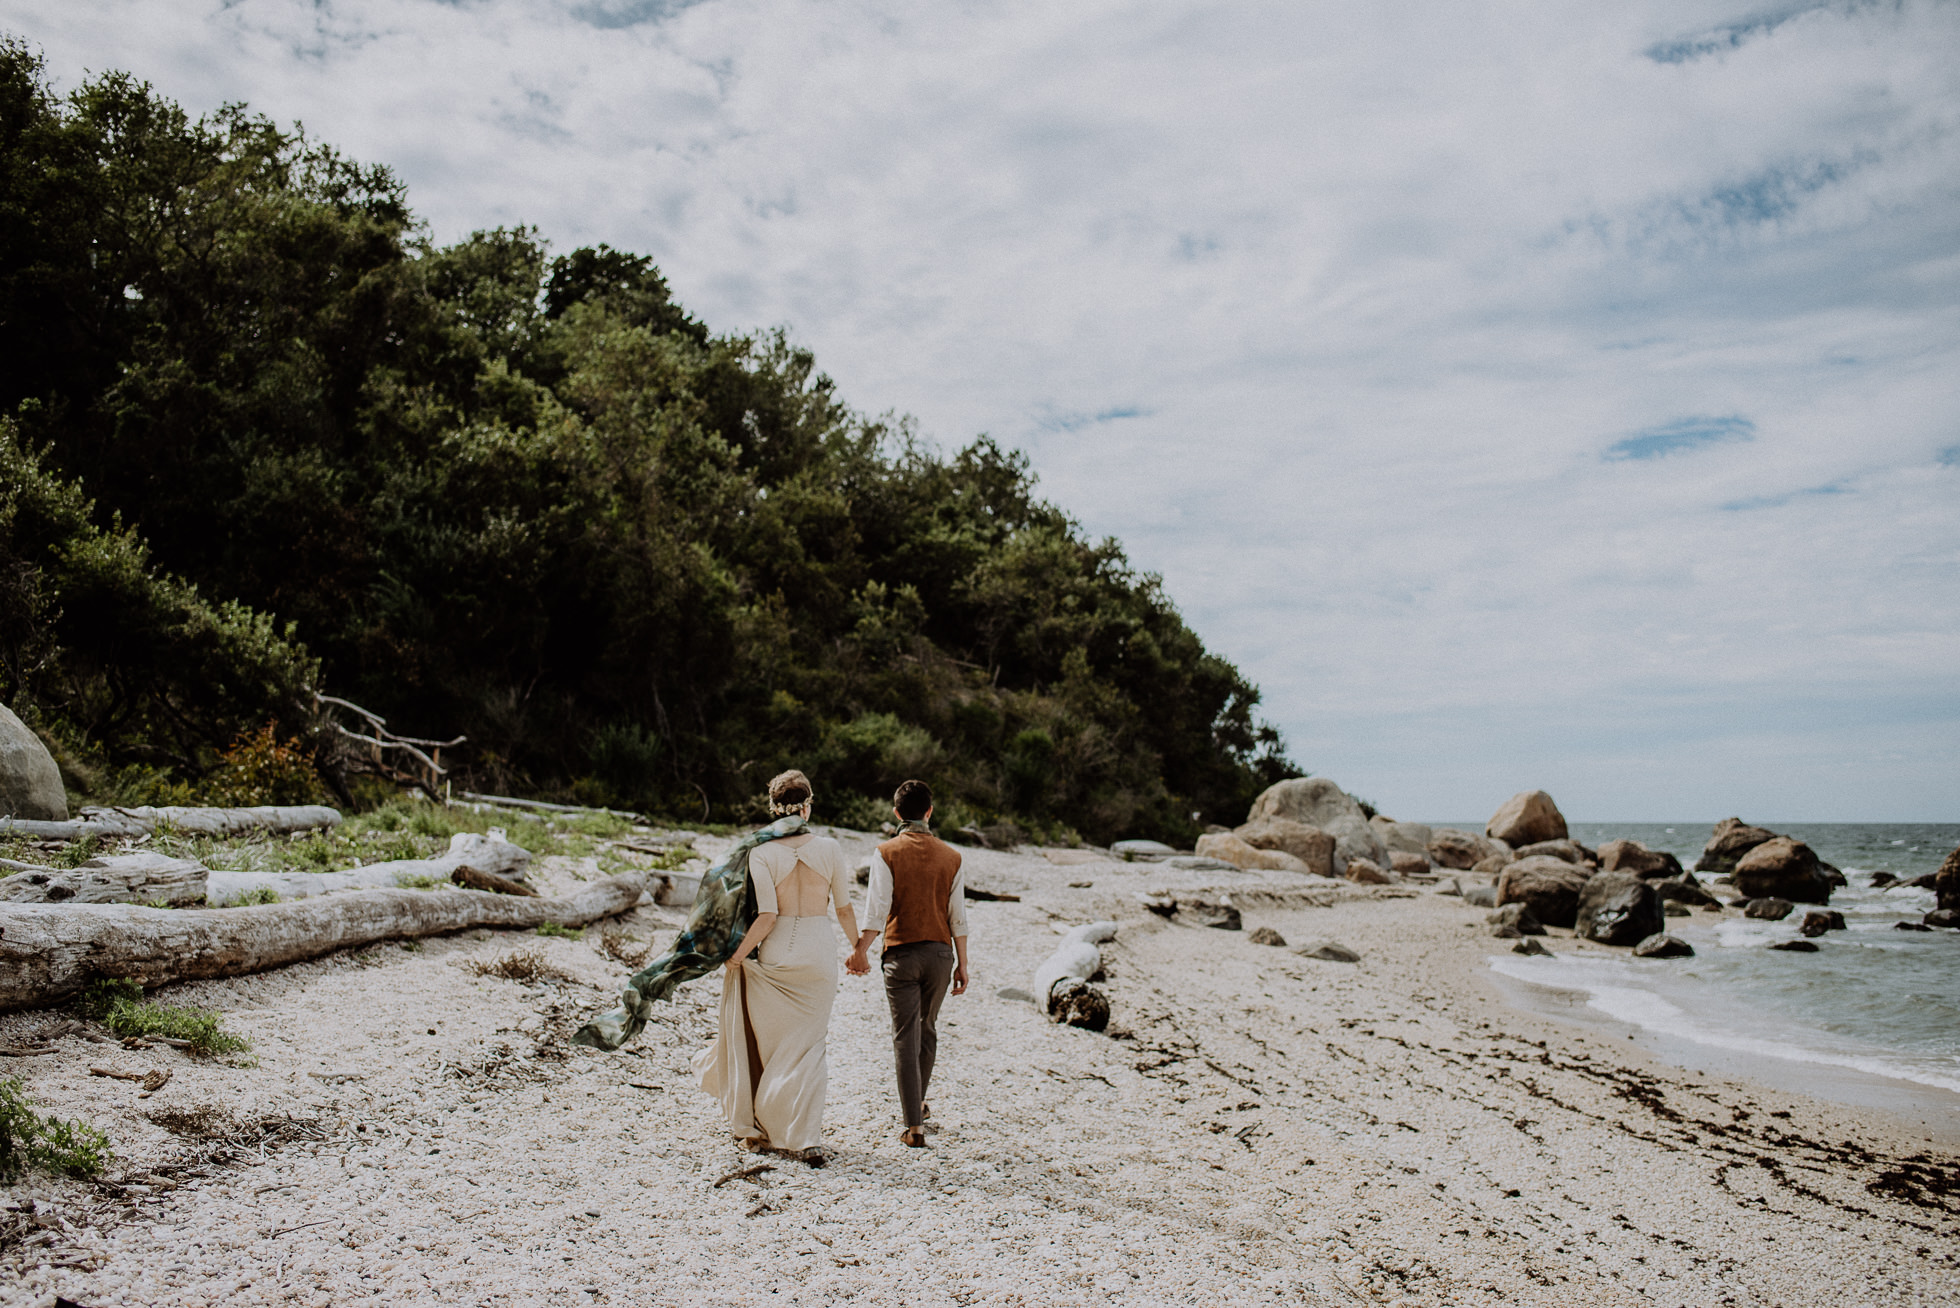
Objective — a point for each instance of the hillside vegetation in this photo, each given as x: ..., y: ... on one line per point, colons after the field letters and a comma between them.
x: 263, y: 435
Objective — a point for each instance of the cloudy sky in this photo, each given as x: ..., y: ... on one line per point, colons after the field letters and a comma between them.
x: 1525, y: 394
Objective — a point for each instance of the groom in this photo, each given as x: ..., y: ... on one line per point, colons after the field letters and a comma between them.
x: 919, y: 893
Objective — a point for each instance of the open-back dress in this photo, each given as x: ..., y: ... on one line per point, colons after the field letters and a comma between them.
x: 767, y: 1064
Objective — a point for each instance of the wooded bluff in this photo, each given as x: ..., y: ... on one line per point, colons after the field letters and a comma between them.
x: 262, y: 435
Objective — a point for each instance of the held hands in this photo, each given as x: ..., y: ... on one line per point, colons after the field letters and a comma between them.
x: 859, y: 963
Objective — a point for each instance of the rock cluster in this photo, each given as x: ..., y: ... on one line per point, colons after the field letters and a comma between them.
x: 1766, y: 865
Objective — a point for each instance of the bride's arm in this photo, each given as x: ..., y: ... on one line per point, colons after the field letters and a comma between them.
x: 752, y: 938
x: 840, y: 895
x: 763, y: 878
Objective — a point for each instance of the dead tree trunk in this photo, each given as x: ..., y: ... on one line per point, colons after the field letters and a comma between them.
x: 50, y: 951
x: 108, y: 823
x: 140, y: 878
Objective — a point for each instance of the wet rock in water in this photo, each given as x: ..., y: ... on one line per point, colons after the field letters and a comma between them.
x: 1518, y: 916
x: 1731, y: 839
x: 1548, y: 886
x: 1525, y: 819
x: 1616, y: 908
x: 1671, y: 909
x: 1480, y: 896
x: 1910, y: 926
x: 30, y: 783
x: 1795, y: 946
x: 1366, y: 873
x: 1014, y: 993
x: 1309, y: 844
x: 1266, y: 936
x: 1568, y: 850
x: 1819, y: 920
x: 1926, y: 882
x: 1782, y: 868
x: 1769, y: 909
x: 1634, y: 857
x: 1449, y: 847
x: 1880, y: 880
x: 1531, y: 946
x: 1505, y: 931
x: 1942, y: 917
x: 1403, y: 863
x: 1661, y: 945
x: 1329, y: 951
x: 1229, y: 848
x: 1684, y: 890
x: 1077, y: 1003
x: 1209, y: 913
x: 1833, y: 875
x: 1946, y: 882
x: 1142, y: 851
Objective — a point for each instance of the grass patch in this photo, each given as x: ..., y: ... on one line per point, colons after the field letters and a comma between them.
x: 77, y: 852
x: 569, y: 933
x: 419, y: 881
x: 119, y: 1005
x: 262, y: 895
x: 524, y: 965
x: 31, y: 1142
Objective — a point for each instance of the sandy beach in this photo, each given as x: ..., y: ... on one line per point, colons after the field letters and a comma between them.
x: 1256, y: 1126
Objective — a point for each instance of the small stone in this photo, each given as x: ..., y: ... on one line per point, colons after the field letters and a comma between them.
x: 1942, y: 917
x: 1796, y: 946
x: 1662, y: 945
x: 1532, y: 947
x: 1769, y: 908
x: 1910, y: 926
x: 1505, y: 931
x: 1080, y: 885
x: 1266, y: 936
x: 1672, y: 909
x: 1366, y: 873
x: 1817, y: 921
x: 1328, y: 951
x: 1880, y: 880
x: 1518, y: 916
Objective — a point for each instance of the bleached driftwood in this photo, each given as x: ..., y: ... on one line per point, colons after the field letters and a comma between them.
x: 487, y: 853
x: 540, y: 806
x: 119, y: 823
x: 50, y: 951
x: 140, y: 878
x: 1076, y: 957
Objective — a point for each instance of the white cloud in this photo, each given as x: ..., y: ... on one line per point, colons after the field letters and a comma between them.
x: 1333, y: 313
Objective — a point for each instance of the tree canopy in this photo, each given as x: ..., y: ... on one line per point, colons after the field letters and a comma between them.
x: 266, y: 435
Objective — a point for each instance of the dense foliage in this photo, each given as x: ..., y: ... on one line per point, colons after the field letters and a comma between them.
x: 526, y: 498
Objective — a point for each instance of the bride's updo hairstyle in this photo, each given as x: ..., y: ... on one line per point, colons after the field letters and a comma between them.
x: 788, y: 793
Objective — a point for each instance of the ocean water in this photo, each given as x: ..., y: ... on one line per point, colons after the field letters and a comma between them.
x: 1873, y: 1000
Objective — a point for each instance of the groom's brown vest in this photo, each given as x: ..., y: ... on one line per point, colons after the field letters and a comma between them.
x: 923, y: 867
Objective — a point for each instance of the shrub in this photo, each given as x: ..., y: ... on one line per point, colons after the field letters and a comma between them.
x: 119, y: 1005
x: 32, y: 1142
x: 261, y: 769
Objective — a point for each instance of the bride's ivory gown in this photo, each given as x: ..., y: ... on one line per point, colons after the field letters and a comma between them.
x: 767, y: 1064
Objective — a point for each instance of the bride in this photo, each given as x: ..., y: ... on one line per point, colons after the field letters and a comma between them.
x: 767, y: 1064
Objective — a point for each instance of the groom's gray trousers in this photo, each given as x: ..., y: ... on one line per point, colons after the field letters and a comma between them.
x: 917, y: 977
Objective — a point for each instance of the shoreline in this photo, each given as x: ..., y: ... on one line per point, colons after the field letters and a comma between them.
x: 1255, y: 1126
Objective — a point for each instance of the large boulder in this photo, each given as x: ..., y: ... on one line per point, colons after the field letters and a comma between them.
x: 1731, y: 839
x: 1946, y: 882
x: 1684, y: 889
x: 1548, y: 886
x: 1449, y: 847
x: 1784, y: 868
x: 1315, y: 801
x: 1403, y: 863
x: 1634, y: 858
x: 1525, y: 819
x: 30, y: 783
x: 1617, y: 908
x: 1230, y: 849
x: 1565, y: 849
x: 1402, y: 837
x: 1354, y: 838
x: 1309, y: 844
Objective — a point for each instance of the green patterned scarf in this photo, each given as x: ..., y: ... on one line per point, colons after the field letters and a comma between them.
x: 723, y: 909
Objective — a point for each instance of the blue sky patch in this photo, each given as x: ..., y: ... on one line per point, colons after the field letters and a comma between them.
x: 1842, y: 486
x: 1679, y: 436
x: 1077, y: 421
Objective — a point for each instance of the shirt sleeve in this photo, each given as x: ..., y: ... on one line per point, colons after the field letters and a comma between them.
x: 763, y: 878
x: 840, y: 878
x: 878, y: 900
x: 956, y: 904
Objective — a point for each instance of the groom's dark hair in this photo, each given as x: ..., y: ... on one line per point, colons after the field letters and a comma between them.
x: 913, y: 800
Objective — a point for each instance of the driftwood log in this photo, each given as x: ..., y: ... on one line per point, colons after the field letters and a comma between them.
x: 50, y: 951
x: 1061, y: 985
x: 113, y: 823
x: 471, y: 878
x: 140, y: 878
x: 490, y: 853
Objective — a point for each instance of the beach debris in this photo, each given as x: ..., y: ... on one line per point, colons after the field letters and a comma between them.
x: 1662, y: 945
x: 1365, y: 872
x: 1910, y: 926
x: 742, y: 1174
x: 1141, y: 851
x: 1525, y: 819
x: 1769, y: 908
x: 1942, y: 917
x: 1784, y: 868
x: 990, y: 896
x: 527, y: 965
x: 1213, y: 913
x: 1817, y: 921
x: 471, y: 878
x: 1328, y: 951
x: 1616, y: 908
x: 1532, y: 947
x: 1549, y: 886
x: 1265, y: 936
x: 1519, y: 917
x: 1080, y: 885
x: 1796, y: 946
x: 50, y: 951
x: 1075, y: 960
x: 144, y: 877
x: 128, y: 823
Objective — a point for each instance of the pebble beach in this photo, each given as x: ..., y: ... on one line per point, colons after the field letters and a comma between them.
x: 1255, y: 1126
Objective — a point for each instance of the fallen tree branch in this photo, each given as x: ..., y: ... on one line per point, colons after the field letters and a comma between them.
x: 505, y: 801
x: 115, y: 823
x: 140, y: 878
x: 50, y: 951
x: 742, y: 1173
x: 475, y: 879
